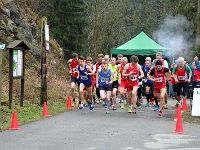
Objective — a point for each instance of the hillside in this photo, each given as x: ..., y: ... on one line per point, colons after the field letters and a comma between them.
x: 19, y: 22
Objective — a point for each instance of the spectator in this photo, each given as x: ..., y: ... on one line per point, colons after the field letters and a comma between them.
x: 197, y: 63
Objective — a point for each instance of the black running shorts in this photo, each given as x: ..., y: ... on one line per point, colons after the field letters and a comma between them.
x: 105, y: 88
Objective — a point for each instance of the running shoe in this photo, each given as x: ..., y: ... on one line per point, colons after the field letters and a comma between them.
x: 177, y: 103
x: 139, y: 106
x: 81, y: 106
x: 165, y: 106
x: 123, y: 105
x: 147, y: 105
x: 134, y: 110
x: 100, y: 101
x: 91, y: 107
x: 129, y: 109
x: 156, y: 108
x: 113, y: 107
x: 107, y: 111
x: 125, y: 102
x: 160, y: 113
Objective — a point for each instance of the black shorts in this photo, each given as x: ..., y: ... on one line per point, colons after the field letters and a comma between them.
x: 105, y: 88
x: 197, y: 84
x: 75, y: 80
x: 115, y: 84
x: 86, y: 85
x: 149, y: 84
x: 151, y: 87
x: 174, y: 88
x: 180, y: 86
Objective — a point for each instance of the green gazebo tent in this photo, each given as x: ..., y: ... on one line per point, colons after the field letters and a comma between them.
x: 139, y: 45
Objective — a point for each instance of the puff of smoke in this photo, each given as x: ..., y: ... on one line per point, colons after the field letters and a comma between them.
x: 175, y: 33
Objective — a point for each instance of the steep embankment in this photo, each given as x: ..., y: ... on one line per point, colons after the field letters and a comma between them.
x: 19, y: 22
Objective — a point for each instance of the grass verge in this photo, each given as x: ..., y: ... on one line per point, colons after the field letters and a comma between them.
x: 29, y: 113
x: 187, y: 117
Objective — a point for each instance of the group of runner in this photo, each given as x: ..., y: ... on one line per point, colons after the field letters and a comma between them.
x: 109, y: 76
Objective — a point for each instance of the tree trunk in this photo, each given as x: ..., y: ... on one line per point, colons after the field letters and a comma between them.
x: 198, y: 28
x: 96, y: 29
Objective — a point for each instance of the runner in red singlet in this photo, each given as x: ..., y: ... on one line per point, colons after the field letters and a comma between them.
x: 131, y: 71
x: 179, y: 73
x: 72, y: 66
x: 158, y: 74
x: 164, y: 64
x: 122, y: 81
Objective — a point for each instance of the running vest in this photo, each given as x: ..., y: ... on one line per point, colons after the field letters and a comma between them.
x: 98, y: 66
x: 196, y: 75
x: 163, y: 62
x: 74, y: 64
x: 146, y: 70
x: 85, y: 79
x: 172, y: 79
x: 121, y: 70
x: 103, y: 77
x: 160, y: 77
x: 134, y: 73
x: 114, y: 70
x: 181, y: 74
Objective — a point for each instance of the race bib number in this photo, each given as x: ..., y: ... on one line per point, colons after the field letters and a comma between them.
x: 104, y: 79
x: 181, y: 77
x: 159, y: 79
x: 84, y: 78
x: 132, y: 77
x: 74, y: 70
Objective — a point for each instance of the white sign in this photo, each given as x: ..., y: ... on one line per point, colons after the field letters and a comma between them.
x: 2, y: 46
x: 46, y: 32
x: 17, y: 63
x: 47, y: 46
x: 196, y: 102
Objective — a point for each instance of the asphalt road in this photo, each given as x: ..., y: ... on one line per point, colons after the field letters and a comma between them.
x: 94, y: 130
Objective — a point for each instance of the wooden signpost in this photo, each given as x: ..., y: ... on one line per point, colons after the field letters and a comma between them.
x: 44, y: 47
x: 17, y: 50
x: 2, y: 46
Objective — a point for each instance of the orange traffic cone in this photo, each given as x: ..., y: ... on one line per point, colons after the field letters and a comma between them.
x: 178, y: 112
x: 45, y: 110
x: 14, y: 124
x: 179, y: 126
x: 69, y: 103
x: 184, y: 106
